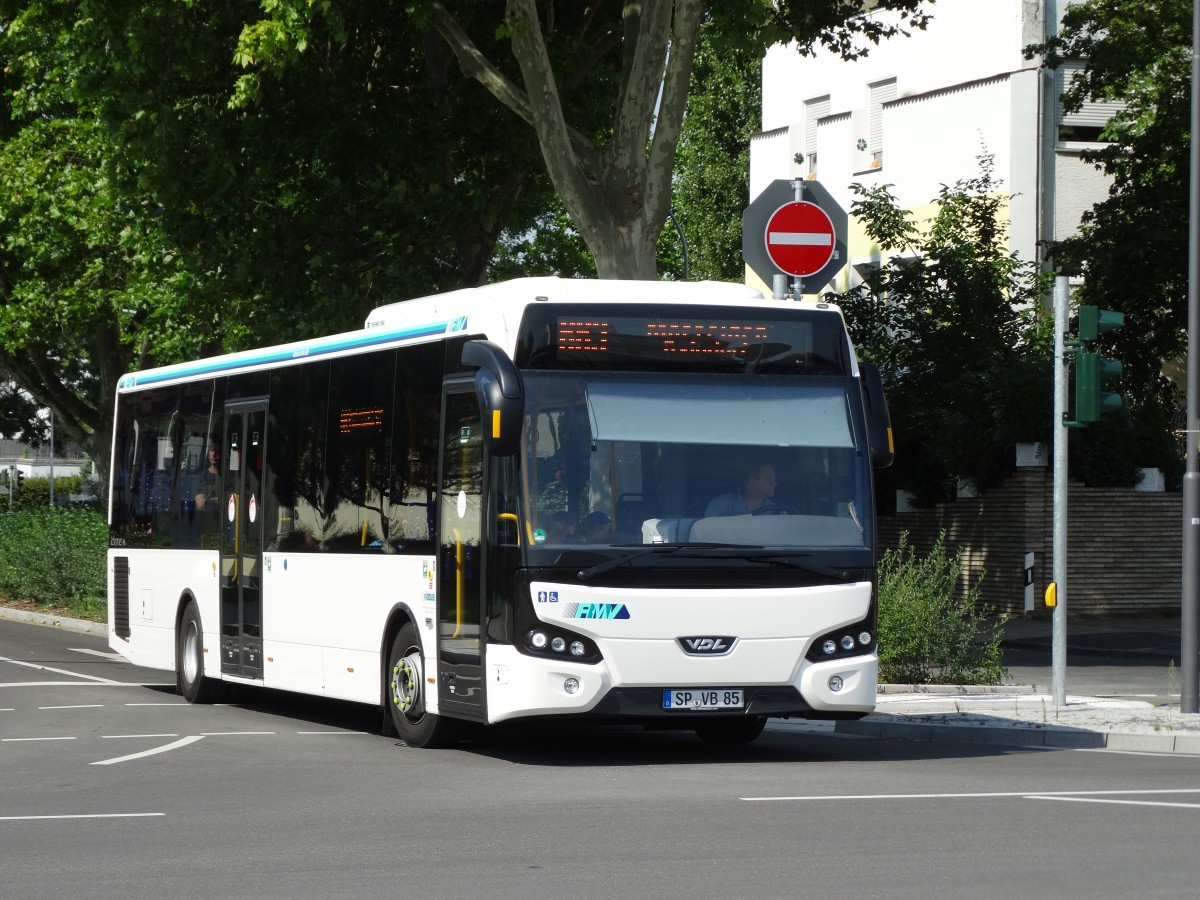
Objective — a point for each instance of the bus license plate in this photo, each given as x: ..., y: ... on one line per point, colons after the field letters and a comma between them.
x: 702, y: 698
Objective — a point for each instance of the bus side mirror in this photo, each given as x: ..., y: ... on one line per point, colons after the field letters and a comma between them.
x: 879, y: 423
x: 501, y: 395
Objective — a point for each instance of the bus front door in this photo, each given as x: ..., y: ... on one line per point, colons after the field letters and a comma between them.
x: 460, y: 547
x: 241, y: 539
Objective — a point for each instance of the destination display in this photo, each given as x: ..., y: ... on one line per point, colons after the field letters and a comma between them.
x: 696, y: 337
x: 623, y: 337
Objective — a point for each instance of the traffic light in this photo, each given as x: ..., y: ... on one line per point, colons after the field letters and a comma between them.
x: 1091, y: 369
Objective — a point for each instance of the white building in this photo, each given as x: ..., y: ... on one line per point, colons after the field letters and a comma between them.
x: 918, y: 111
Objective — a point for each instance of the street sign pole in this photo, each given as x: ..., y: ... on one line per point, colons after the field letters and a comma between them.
x: 1189, y: 692
x: 798, y: 188
x: 1058, y: 631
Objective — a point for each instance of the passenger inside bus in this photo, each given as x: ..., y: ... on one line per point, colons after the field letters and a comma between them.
x: 210, y: 479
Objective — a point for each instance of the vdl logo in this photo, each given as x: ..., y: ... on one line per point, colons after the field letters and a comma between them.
x: 707, y: 645
x: 595, y: 611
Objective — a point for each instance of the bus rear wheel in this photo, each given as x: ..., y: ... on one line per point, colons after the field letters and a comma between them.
x: 406, y: 692
x: 190, y: 680
x: 728, y: 732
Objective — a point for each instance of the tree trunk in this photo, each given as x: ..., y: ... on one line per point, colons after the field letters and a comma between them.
x: 618, y: 195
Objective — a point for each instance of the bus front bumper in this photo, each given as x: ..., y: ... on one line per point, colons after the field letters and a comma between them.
x: 520, y: 685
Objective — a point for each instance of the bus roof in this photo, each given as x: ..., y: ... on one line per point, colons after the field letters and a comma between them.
x: 516, y: 294
x: 493, y: 310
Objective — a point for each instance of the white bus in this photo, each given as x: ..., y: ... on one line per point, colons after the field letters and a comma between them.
x: 496, y: 503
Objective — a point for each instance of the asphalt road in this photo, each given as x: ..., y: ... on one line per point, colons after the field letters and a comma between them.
x: 113, y: 787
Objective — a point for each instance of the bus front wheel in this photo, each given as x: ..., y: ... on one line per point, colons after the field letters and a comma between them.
x: 190, y: 680
x: 407, y: 689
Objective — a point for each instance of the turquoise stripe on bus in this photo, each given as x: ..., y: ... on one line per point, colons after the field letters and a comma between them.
x: 220, y: 364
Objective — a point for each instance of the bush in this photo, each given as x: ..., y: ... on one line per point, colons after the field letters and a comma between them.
x: 929, y: 631
x: 34, y: 493
x: 55, y: 557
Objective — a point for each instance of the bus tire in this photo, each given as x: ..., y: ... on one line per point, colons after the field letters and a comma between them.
x: 190, y: 680
x: 406, y: 692
x: 728, y: 732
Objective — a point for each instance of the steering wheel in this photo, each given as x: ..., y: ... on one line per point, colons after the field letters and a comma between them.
x: 775, y: 510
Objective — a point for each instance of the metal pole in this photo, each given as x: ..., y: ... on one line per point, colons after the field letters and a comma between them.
x: 682, y: 240
x: 1058, y: 657
x: 51, y: 459
x: 798, y: 283
x: 1189, y: 693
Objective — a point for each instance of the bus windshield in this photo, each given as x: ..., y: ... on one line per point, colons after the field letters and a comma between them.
x: 620, y: 459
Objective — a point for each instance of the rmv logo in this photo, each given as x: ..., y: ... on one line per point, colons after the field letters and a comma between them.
x: 596, y: 611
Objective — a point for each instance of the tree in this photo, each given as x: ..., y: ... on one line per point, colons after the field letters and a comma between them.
x: 603, y: 86
x: 1132, y: 246
x: 87, y: 276
x: 950, y: 318
x: 712, y: 166
x: 144, y: 220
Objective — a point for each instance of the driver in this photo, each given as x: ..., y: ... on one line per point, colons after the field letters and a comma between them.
x: 756, y: 492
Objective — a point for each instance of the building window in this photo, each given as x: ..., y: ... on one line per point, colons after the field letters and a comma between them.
x: 814, y: 110
x: 1086, y: 124
x: 881, y: 92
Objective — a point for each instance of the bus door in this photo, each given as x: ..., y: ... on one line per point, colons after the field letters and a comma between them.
x: 460, y: 548
x: 241, y: 539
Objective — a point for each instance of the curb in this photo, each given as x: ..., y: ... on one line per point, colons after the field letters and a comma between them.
x: 76, y: 626
x: 897, y: 728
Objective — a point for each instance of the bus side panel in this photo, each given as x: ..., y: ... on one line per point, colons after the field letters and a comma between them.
x: 324, y: 616
x: 157, y: 580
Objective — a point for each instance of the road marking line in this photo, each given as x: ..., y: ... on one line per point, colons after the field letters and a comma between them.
x: 1119, y: 802
x: 174, y: 703
x: 116, y: 657
x: 94, y: 678
x: 109, y: 737
x: 174, y: 745
x: 979, y: 794
x: 78, y: 706
x: 88, y: 816
x: 24, y: 740
x: 332, y: 732
x: 83, y: 684
x: 231, y: 733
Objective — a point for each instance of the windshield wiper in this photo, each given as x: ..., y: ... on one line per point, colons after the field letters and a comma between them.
x: 662, y: 549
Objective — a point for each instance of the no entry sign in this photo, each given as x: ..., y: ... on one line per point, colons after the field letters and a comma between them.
x: 800, y: 238
x: 768, y: 258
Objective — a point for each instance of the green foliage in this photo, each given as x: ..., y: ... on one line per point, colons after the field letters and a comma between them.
x: 930, y: 631
x: 34, y: 493
x: 55, y: 556
x: 1132, y: 246
x: 712, y: 167
x: 951, y: 319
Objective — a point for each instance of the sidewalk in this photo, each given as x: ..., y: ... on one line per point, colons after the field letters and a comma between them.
x: 1025, y: 714
x: 1021, y: 715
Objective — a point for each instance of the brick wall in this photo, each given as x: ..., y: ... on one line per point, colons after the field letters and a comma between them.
x: 1124, y: 546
